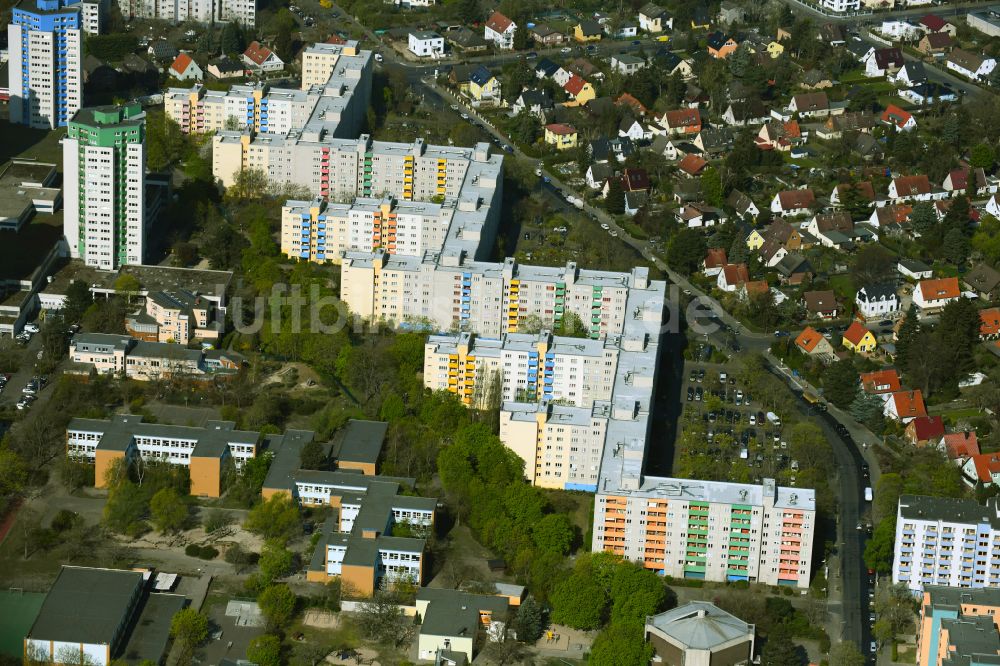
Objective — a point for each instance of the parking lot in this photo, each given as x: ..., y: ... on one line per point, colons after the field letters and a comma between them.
x: 734, y: 424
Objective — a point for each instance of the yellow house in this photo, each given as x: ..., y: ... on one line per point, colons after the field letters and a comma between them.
x: 588, y: 31
x: 563, y: 137
x: 483, y: 85
x: 579, y: 90
x: 857, y: 338
x: 755, y: 240
x: 775, y: 49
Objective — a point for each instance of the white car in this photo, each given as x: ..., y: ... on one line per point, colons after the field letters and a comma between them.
x: 31, y: 327
x: 564, y: 50
x: 604, y: 225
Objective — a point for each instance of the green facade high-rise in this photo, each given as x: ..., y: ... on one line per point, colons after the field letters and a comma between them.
x: 104, y: 163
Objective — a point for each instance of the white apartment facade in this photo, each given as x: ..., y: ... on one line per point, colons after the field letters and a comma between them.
x: 207, y: 12
x: 425, y: 44
x: 950, y: 542
x: 707, y: 530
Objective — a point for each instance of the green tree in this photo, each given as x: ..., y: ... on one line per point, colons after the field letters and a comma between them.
x: 621, y: 644
x: 277, y: 517
x: 529, y: 622
x: 168, y: 510
x: 78, y: 299
x: 686, y: 250
x: 312, y: 455
x: 614, y: 202
x: 840, y: 383
x: 277, y: 604
x: 636, y: 592
x: 126, y: 507
x: 711, y: 186
x: 846, y: 653
x: 525, y: 128
x: 190, y: 629
x: 231, y: 40
x: 879, y: 548
x: 579, y: 602
x: 554, y: 534
x: 265, y: 650
x: 907, y: 335
x: 13, y: 473
x: 128, y: 285
x: 981, y: 156
x: 276, y: 561
x: 955, y: 246
x: 779, y: 650
x: 923, y: 218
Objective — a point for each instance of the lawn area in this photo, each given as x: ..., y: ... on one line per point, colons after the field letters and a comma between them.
x: 843, y: 286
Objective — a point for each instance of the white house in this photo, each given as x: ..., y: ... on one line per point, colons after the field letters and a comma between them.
x: 184, y: 68
x: 928, y: 93
x: 932, y: 295
x: 841, y: 6
x: 899, y: 31
x: 699, y: 216
x: 627, y: 64
x: 969, y: 65
x: 904, y: 406
x: 561, y: 77
x: 653, y: 18
x: 877, y: 301
x: 910, y: 74
x: 634, y: 130
x: 260, y: 58
x: 915, y: 270
x: 880, y: 62
x: 425, y: 44
x: 500, y: 30
x: 993, y: 206
x: 793, y: 202
x: 732, y: 276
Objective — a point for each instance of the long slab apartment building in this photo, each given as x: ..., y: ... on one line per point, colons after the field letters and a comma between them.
x: 951, y: 542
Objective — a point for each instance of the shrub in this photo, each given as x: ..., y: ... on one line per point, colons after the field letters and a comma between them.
x: 192, y: 550
x: 64, y: 520
x: 208, y: 553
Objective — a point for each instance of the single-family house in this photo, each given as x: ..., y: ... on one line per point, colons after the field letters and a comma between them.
x: 682, y: 121
x: 960, y: 446
x: 456, y: 625
x: 863, y: 190
x: 982, y: 468
x: 909, y: 75
x: 467, y: 40
x: 626, y: 63
x: 634, y: 130
x: 932, y: 295
x: 672, y: 63
x: 793, y: 202
x: 654, y: 19
x: 993, y: 206
x: 543, y: 35
x: 820, y: 304
x: 545, y: 69
x: 425, y: 44
x: 821, y: 223
x: 699, y: 215
x: 881, y: 382
x: 731, y: 12
x: 989, y: 323
x: 579, y: 91
x: 742, y: 205
x: 714, y: 261
x: 732, y: 276
x: 622, y: 30
x: 700, y: 18
x: 810, y: 105
x: 225, y: 67
x: 745, y: 112
x: 560, y: 136
x: 902, y: 121
x: 780, y: 136
x: 877, y: 301
x: 588, y: 31
x: 262, y: 59
x: 914, y: 269
x: 692, y: 165
x: 880, y: 62
x: 500, y: 31
x: 904, y: 406
x: 859, y: 339
x: 925, y: 431
x: 934, y: 24
x: 935, y: 43
x: 756, y: 239
x: 811, y: 343
x: 638, y: 108
x: 483, y: 86
x: 815, y: 79
x: 772, y: 252
x: 928, y: 93
x: 598, y: 174
x: 720, y: 45
x: 184, y: 68
x: 912, y: 188
x: 603, y: 149
x: 832, y: 34
x: 984, y: 281
x: 537, y: 102
x: 970, y: 65
x: 957, y: 180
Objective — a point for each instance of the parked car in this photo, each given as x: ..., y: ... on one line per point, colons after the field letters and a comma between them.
x: 31, y: 327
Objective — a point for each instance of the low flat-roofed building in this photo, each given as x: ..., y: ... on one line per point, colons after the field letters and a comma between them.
x: 106, y: 353
x: 461, y: 622
x: 24, y: 190
x: 700, y: 633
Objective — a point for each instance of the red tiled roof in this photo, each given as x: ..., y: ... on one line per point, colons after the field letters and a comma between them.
x: 574, y: 85
x: 808, y: 339
x: 881, y: 381
x: 559, y: 128
x: 635, y: 180
x: 715, y: 257
x: 909, y: 404
x: 907, y: 185
x: 961, y: 444
x: 756, y: 287
x: 336, y: 39
x: 987, y: 464
x: 855, y: 333
x: 989, y: 322
x: 736, y: 274
x: 692, y: 164
x: 926, y: 428
x: 863, y: 188
x: 936, y: 289
x: 257, y: 52
x: 792, y: 199
x: 683, y: 118
x: 895, y: 115
x: 498, y: 22
x: 181, y: 63
x: 939, y: 40
x: 632, y: 102
x: 933, y: 22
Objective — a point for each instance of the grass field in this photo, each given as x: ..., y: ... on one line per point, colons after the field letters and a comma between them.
x: 18, y: 611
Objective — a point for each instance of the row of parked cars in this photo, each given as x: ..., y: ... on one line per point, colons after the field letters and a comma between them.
x: 30, y: 392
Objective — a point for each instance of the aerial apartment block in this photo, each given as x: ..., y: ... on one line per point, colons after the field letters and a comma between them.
x: 104, y: 181
x: 708, y: 530
x: 957, y: 626
x: 45, y: 70
x: 205, y: 451
x: 124, y: 355
x: 951, y: 542
x: 178, y: 316
x: 207, y: 12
